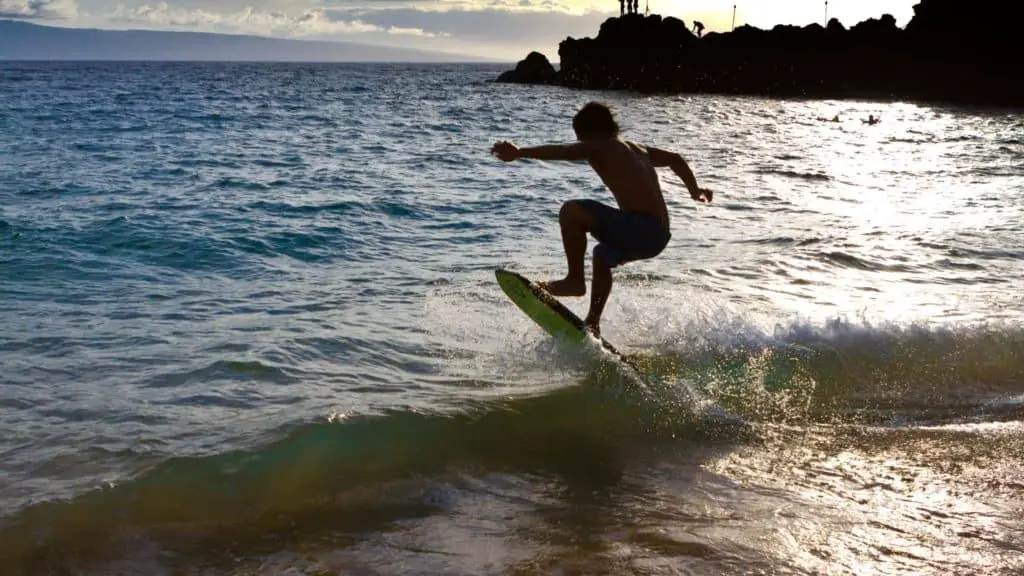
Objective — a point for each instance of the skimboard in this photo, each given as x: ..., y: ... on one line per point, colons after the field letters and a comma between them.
x: 557, y: 320
x: 545, y: 310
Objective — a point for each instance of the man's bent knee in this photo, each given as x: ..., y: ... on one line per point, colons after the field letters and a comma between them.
x: 576, y: 211
x: 570, y: 210
x: 607, y: 256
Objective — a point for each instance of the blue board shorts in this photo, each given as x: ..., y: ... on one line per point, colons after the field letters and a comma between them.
x: 625, y: 236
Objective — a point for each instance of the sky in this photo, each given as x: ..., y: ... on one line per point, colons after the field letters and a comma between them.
x: 503, y: 30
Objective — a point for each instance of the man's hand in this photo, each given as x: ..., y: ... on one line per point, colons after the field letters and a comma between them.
x: 702, y: 195
x: 505, y: 151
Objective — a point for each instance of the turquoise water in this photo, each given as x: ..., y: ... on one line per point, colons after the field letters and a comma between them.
x: 251, y: 325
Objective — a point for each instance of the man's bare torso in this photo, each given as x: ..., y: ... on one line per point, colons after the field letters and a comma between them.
x: 626, y: 170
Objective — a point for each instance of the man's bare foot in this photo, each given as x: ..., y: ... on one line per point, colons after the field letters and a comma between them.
x: 565, y: 287
x: 593, y: 329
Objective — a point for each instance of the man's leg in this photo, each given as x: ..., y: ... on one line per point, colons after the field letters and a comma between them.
x: 624, y: 238
x: 576, y: 221
x: 601, y: 287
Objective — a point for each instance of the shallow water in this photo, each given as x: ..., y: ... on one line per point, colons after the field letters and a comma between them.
x: 251, y: 325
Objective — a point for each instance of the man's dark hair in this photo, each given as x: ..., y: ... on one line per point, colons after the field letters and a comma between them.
x: 595, y: 121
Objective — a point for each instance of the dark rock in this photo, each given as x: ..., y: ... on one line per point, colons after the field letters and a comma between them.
x: 534, y: 69
x: 939, y: 56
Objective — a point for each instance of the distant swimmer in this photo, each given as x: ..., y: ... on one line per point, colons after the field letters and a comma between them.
x: 637, y: 230
x: 871, y: 119
x: 833, y: 119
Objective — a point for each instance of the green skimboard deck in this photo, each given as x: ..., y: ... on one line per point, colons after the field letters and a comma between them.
x: 545, y: 309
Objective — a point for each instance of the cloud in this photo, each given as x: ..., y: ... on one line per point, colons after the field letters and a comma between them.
x: 310, y: 22
x: 492, y: 25
x: 415, y: 32
x: 39, y: 9
x: 501, y: 7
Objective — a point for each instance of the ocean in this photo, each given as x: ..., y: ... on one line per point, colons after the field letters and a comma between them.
x: 251, y: 326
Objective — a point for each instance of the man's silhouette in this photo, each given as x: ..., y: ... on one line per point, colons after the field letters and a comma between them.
x: 637, y: 230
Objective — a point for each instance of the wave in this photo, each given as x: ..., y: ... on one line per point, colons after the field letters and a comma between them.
x: 858, y: 371
x: 353, y: 474
x: 818, y: 176
x: 766, y: 368
x: 339, y: 475
x: 782, y: 241
x: 845, y: 260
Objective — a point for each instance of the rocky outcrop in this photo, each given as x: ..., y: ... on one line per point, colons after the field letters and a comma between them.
x: 938, y: 56
x: 534, y: 69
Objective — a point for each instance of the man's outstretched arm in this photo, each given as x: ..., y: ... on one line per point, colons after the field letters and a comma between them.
x: 575, y: 151
x: 678, y: 165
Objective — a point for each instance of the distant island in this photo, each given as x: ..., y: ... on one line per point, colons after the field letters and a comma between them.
x: 951, y: 51
x: 25, y: 41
